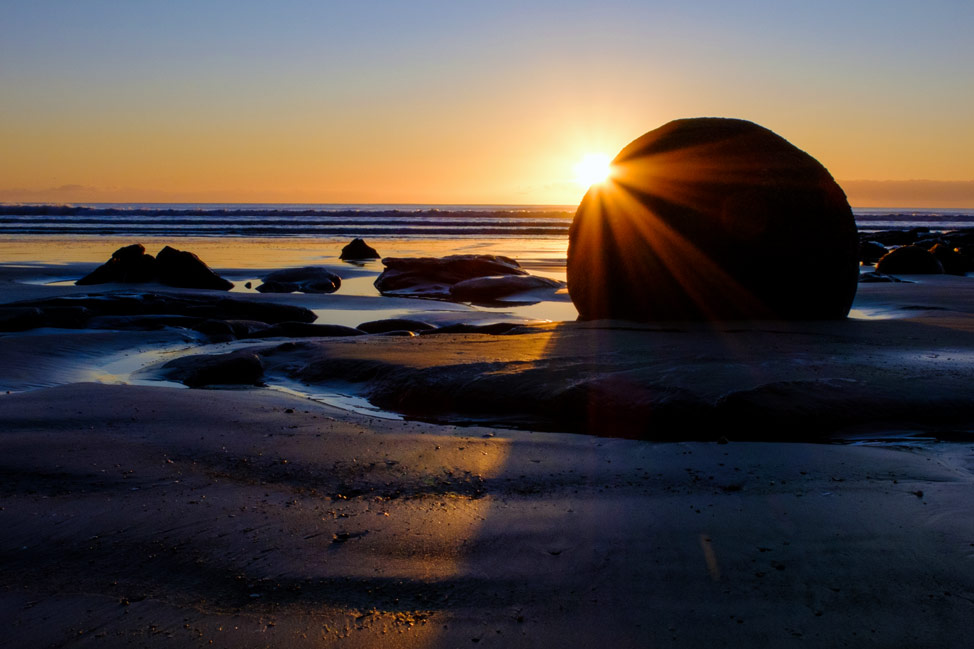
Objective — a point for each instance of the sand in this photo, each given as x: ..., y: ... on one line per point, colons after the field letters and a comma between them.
x: 139, y: 515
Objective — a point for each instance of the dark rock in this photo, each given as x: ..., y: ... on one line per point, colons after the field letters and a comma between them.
x: 875, y: 278
x: 14, y: 318
x: 808, y: 409
x: 494, y: 287
x: 202, y: 307
x: 308, y: 279
x: 151, y: 322
x: 960, y: 238
x: 218, y: 331
x: 304, y: 330
x: 698, y: 218
x: 278, y: 287
x: 433, y: 277
x: 909, y: 260
x: 358, y: 249
x: 952, y: 261
x: 631, y: 409
x: 246, y: 328
x: 929, y: 242
x: 127, y: 265
x: 899, y: 237
x: 237, y: 368
x: 26, y: 315
x: 967, y: 252
x: 66, y: 317
x: 493, y: 329
x: 394, y: 324
x: 184, y: 269
x: 871, y: 251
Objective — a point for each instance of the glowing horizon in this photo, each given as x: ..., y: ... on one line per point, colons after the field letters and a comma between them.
x: 322, y: 103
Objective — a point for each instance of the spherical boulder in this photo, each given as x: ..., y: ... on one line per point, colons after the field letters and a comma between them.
x: 697, y: 222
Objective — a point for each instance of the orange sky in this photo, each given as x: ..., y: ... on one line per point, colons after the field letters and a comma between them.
x: 478, y: 103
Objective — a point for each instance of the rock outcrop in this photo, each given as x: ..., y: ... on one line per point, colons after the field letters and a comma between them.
x: 357, y: 250
x: 242, y: 367
x: 698, y: 220
x: 178, y: 268
x: 183, y: 269
x: 222, y: 318
x: 127, y: 265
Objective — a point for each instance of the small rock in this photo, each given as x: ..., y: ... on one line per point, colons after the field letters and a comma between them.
x: 394, y: 324
x: 358, y: 249
x: 308, y: 279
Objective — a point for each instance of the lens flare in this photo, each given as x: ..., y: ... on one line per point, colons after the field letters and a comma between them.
x: 592, y: 169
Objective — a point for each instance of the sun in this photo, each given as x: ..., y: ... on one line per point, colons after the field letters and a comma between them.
x: 592, y: 169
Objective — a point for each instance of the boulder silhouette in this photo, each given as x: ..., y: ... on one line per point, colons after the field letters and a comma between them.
x: 358, y: 249
x: 172, y: 267
x: 909, y: 260
x: 184, y: 269
x: 128, y: 265
x: 713, y: 219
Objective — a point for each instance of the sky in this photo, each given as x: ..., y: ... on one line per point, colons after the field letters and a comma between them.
x: 467, y: 102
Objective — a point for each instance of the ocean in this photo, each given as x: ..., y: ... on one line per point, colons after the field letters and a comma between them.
x: 368, y: 221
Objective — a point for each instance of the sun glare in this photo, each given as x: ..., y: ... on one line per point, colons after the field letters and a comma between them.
x: 592, y: 169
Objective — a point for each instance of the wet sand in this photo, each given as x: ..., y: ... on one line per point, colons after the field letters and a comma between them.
x: 137, y: 516
x: 156, y: 516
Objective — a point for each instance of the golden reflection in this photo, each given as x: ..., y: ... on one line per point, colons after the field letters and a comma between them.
x: 428, y: 544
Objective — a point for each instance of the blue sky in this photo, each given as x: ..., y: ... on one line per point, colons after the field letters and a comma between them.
x: 462, y: 101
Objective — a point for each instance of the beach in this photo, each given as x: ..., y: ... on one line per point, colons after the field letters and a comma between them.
x: 445, y: 504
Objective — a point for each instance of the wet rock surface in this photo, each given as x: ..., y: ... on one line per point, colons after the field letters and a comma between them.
x: 307, y: 279
x: 237, y: 368
x: 809, y: 381
x: 147, y: 311
x: 496, y: 287
x: 696, y: 220
x: 467, y: 278
x: 871, y: 251
x: 395, y: 324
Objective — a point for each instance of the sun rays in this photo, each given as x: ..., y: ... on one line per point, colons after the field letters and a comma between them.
x: 592, y: 169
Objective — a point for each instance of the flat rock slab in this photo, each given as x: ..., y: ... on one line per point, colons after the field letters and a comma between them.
x: 52, y: 310
x: 746, y: 380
